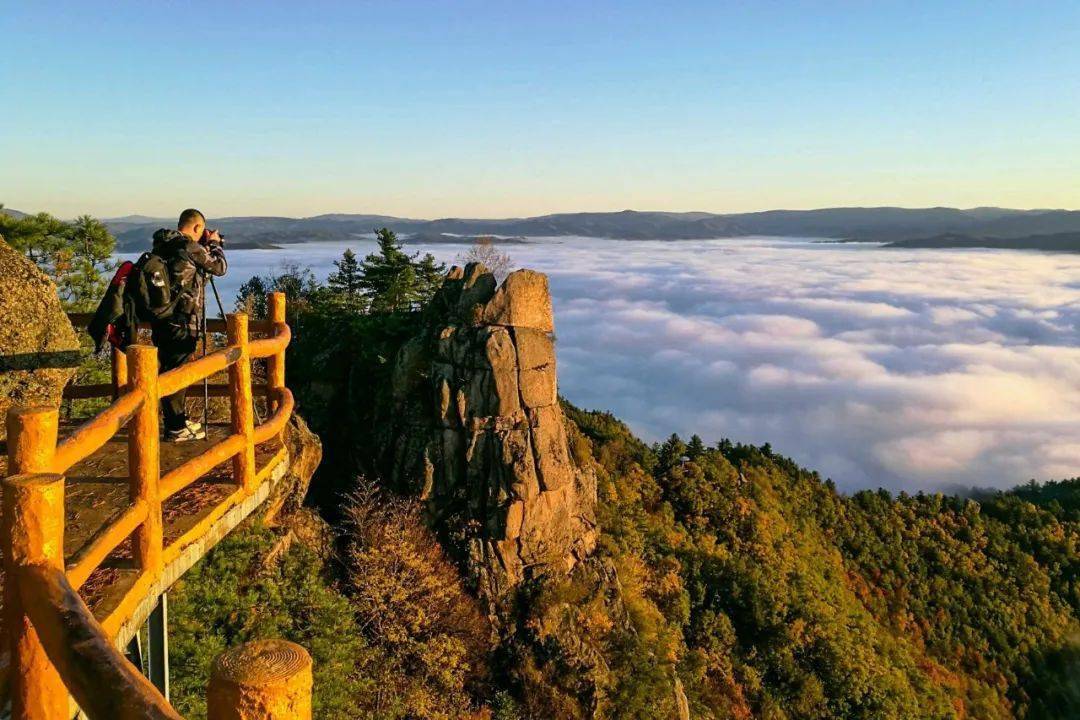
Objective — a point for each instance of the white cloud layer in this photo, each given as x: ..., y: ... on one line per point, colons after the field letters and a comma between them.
x: 908, y: 369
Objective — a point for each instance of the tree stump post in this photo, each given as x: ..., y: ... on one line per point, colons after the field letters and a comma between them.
x: 275, y: 364
x: 144, y: 456
x: 119, y: 372
x: 33, y: 534
x: 240, y: 401
x: 261, y: 680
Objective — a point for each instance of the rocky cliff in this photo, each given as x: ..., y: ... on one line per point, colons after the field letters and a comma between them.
x: 477, y: 430
x: 38, y: 346
x: 305, y: 454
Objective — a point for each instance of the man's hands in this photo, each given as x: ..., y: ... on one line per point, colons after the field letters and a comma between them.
x: 212, y: 237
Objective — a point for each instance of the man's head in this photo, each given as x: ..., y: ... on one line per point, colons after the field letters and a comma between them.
x: 192, y: 223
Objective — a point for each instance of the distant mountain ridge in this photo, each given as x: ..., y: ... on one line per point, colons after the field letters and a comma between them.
x: 881, y: 224
x: 13, y: 213
x: 1055, y: 242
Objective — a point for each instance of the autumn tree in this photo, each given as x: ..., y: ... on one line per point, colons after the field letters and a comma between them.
x: 484, y: 251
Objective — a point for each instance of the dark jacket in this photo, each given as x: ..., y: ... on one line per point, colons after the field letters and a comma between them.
x: 189, y: 262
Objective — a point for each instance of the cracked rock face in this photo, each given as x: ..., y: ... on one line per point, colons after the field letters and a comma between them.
x: 479, y: 433
x: 286, y: 499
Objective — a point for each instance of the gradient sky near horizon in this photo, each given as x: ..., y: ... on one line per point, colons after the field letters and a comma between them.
x: 487, y: 109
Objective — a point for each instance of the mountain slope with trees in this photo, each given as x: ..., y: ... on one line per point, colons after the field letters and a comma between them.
x: 795, y: 601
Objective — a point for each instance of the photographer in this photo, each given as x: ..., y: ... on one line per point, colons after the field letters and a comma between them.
x: 190, y: 252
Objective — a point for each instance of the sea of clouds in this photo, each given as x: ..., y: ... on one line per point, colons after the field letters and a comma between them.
x: 905, y: 369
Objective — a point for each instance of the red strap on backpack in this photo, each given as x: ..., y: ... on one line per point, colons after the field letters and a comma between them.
x: 121, y: 275
x: 114, y: 336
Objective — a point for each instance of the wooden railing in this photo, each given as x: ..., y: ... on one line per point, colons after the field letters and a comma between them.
x: 43, y: 611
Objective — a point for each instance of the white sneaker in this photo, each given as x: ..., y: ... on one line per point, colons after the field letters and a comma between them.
x: 193, y: 426
x: 185, y: 435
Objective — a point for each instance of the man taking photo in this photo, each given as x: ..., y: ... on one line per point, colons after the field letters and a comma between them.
x: 189, y: 252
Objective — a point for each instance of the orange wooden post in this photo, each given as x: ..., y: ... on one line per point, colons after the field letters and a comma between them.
x: 33, y: 533
x: 119, y: 371
x: 243, y: 413
x: 31, y: 439
x: 144, y: 456
x: 275, y: 364
x: 261, y: 680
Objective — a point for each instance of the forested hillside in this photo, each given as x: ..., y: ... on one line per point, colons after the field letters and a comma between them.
x: 794, y: 601
x: 767, y: 593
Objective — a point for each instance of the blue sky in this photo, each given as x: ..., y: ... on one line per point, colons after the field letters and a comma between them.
x: 432, y: 109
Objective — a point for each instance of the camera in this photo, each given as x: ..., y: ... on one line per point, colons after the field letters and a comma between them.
x: 209, y: 241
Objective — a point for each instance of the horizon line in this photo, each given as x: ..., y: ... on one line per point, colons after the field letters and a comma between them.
x: 149, y: 217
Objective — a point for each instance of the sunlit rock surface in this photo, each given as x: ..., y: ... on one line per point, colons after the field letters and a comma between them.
x: 479, y: 433
x: 38, y: 346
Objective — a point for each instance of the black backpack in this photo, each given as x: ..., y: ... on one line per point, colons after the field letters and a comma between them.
x: 139, y: 291
x: 150, y: 289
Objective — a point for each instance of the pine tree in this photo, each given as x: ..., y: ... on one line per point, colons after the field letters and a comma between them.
x: 348, y: 279
x: 429, y: 277
x: 76, y: 255
x: 90, y: 245
x: 393, y: 281
x: 670, y: 453
x: 387, y: 275
x: 346, y: 284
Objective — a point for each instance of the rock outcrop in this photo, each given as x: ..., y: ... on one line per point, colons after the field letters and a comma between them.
x: 38, y: 346
x: 479, y: 433
x: 305, y: 454
x: 285, y: 508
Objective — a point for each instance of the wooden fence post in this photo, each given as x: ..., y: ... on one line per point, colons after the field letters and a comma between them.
x: 144, y: 456
x: 119, y: 371
x: 275, y: 364
x: 33, y: 533
x: 31, y: 439
x: 240, y: 401
x: 261, y: 680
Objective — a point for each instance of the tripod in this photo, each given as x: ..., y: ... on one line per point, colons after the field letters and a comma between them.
x: 206, y: 381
